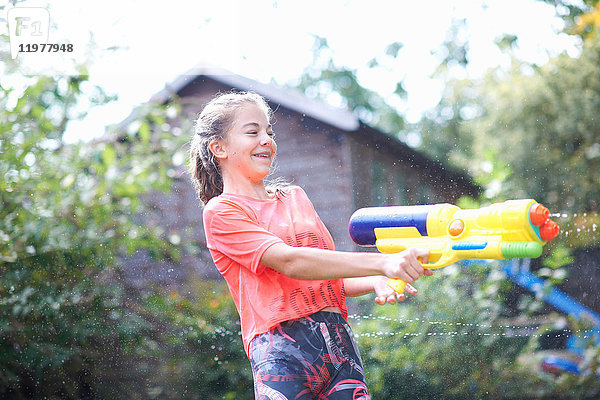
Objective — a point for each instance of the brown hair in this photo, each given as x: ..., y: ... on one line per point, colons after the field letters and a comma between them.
x: 212, y: 124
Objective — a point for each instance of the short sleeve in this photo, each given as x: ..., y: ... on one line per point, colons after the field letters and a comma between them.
x: 234, y: 233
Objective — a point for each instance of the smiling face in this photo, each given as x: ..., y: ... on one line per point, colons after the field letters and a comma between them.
x: 248, y: 149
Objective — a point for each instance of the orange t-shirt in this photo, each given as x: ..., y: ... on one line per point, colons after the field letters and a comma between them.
x: 239, y: 229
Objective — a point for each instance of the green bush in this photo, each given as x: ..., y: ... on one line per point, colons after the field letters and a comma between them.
x: 70, y: 325
x: 454, y: 340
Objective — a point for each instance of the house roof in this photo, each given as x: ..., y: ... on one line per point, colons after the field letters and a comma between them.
x: 341, y: 119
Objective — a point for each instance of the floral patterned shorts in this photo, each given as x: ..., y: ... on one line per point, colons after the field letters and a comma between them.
x: 314, y: 357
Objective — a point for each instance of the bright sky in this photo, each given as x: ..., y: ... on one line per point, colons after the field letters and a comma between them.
x: 272, y: 40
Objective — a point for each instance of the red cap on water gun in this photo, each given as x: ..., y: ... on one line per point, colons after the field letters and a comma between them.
x: 538, y: 214
x: 549, y: 230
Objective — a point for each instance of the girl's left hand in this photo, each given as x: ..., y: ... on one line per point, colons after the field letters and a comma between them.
x: 386, y: 294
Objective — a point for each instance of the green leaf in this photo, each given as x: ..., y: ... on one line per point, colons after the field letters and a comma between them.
x: 144, y: 132
x: 109, y: 155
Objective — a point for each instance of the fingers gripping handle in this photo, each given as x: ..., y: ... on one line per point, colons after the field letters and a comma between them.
x: 398, y: 284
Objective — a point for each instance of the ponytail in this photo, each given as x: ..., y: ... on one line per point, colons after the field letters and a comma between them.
x: 206, y: 173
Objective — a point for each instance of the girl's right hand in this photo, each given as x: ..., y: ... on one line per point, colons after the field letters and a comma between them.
x: 406, y: 265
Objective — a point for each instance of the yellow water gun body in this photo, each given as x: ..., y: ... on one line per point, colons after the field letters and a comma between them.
x: 512, y: 229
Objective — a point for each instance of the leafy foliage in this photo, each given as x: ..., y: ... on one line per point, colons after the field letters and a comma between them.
x: 338, y: 84
x: 195, y: 351
x: 581, y: 17
x: 455, y: 340
x: 527, y: 132
x: 71, y: 326
x: 547, y: 127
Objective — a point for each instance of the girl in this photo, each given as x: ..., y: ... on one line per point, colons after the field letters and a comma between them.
x: 287, y: 282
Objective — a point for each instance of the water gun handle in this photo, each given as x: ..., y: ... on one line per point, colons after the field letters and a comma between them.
x: 447, y: 258
x: 397, y: 284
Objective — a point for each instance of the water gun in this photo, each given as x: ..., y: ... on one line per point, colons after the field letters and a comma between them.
x: 512, y: 229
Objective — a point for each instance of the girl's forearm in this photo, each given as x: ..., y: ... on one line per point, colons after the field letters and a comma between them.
x: 314, y: 264
x: 358, y: 286
x: 308, y: 263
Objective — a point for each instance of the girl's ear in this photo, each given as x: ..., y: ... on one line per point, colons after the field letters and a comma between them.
x: 216, y: 147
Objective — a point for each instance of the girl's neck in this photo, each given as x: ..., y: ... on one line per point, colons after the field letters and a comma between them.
x: 246, y: 188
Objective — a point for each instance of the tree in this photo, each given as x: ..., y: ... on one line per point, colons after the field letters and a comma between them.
x: 531, y: 130
x: 70, y: 325
x: 581, y: 17
x: 341, y: 86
